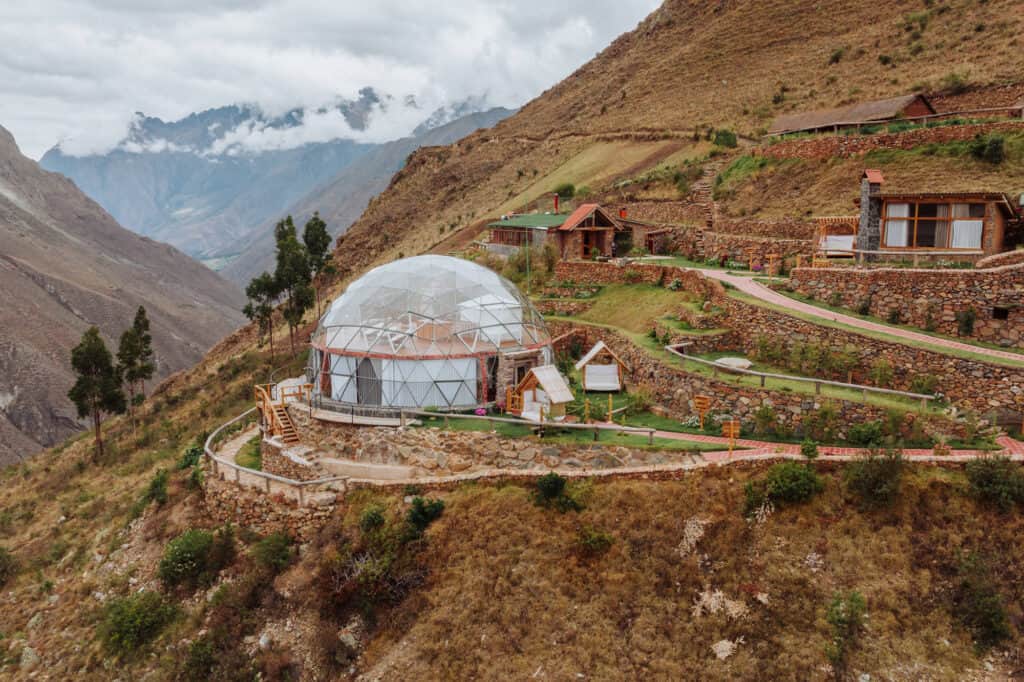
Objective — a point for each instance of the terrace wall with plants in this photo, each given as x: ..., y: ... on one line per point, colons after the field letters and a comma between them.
x: 842, y: 355
x: 586, y: 272
x: 663, y: 212
x: 832, y: 146
x: 744, y: 249
x: 980, y: 304
x: 797, y: 413
x: 226, y: 502
x: 783, y: 228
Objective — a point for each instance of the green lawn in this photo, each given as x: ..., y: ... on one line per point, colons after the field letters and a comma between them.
x: 937, y: 347
x: 249, y: 455
x: 634, y: 306
x: 569, y: 436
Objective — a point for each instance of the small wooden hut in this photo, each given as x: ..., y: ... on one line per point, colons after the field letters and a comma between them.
x: 601, y: 369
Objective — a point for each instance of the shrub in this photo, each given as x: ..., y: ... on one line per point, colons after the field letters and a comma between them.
x: 875, y: 479
x: 894, y: 316
x: 199, y: 661
x: 990, y: 148
x: 821, y: 425
x: 837, y: 55
x: 881, y: 372
x: 196, y: 556
x: 792, y: 483
x: 566, y: 190
x: 965, y: 322
x: 864, y: 307
x: 955, y: 83
x: 274, y: 552
x: 423, y: 511
x: 809, y: 450
x: 371, y: 518
x: 190, y: 457
x: 725, y: 138
x: 593, y: 542
x: 157, y: 489
x: 924, y: 383
x: 978, y: 604
x: 764, y: 421
x: 550, y: 487
x: 867, y: 433
x: 131, y: 622
x: 846, y: 616
x: 8, y: 566
x: 997, y: 481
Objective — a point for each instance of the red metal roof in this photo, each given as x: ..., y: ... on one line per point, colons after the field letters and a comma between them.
x: 583, y: 212
x: 873, y: 175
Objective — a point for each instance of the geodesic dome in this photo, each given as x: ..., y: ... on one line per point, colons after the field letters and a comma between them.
x: 421, y: 332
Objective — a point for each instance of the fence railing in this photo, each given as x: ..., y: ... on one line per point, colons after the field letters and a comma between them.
x: 254, y: 478
x: 552, y: 425
x: 818, y: 383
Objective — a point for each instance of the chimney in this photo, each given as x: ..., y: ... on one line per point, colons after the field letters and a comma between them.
x: 869, y: 230
x: 556, y: 202
x: 622, y: 212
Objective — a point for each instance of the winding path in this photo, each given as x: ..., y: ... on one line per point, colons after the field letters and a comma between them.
x: 748, y: 286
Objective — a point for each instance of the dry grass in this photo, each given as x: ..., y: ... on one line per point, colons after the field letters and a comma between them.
x: 633, y: 307
x: 510, y: 594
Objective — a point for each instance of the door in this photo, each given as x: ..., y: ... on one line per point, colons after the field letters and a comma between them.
x: 367, y: 383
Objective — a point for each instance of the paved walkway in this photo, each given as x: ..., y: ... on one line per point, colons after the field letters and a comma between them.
x: 755, y: 448
x: 748, y: 286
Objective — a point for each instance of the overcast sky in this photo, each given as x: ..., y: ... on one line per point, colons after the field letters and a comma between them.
x: 76, y: 70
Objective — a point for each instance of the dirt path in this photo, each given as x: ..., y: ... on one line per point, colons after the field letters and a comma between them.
x: 748, y: 286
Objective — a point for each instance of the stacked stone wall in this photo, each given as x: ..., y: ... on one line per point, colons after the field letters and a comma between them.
x: 277, y: 463
x: 674, y: 389
x: 832, y: 146
x: 1001, y: 259
x: 935, y: 300
x: 744, y: 249
x: 978, y: 385
x: 227, y: 502
x: 784, y: 228
x: 584, y: 272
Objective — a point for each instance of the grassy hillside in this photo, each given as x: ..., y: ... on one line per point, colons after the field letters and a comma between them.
x: 498, y: 587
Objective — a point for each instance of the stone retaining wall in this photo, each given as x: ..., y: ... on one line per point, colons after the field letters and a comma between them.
x: 280, y: 464
x: 831, y: 146
x: 663, y: 212
x: 999, y: 260
x: 783, y: 228
x: 586, y: 272
x: 744, y: 248
x: 562, y: 306
x: 227, y: 502
x: 674, y: 389
x: 979, y: 385
x: 929, y: 299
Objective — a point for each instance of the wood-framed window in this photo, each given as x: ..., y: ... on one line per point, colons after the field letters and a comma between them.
x: 949, y: 225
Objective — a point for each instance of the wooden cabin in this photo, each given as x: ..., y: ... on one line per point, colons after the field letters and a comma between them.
x: 523, y: 229
x: 541, y: 395
x: 907, y: 107
x: 590, y: 232
x: 601, y: 369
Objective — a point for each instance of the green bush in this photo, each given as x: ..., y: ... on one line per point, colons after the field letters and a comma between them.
x: 875, y: 478
x: 8, y: 566
x: 725, y: 138
x: 864, y: 307
x: 754, y: 497
x: 990, y: 148
x: 809, y: 450
x: 924, y: 383
x: 881, y: 373
x: 423, y: 511
x: 965, y: 322
x: 593, y: 542
x: 765, y: 421
x: 199, y: 662
x: 866, y: 433
x: 566, y: 190
x: 371, y: 518
x: 130, y: 622
x: 978, y: 604
x: 196, y: 556
x: 846, y: 614
x: 274, y: 552
x: 550, y: 487
x: 792, y: 483
x: 996, y: 481
x: 190, y: 457
x: 157, y: 489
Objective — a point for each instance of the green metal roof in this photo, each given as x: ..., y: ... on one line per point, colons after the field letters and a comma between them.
x: 536, y: 220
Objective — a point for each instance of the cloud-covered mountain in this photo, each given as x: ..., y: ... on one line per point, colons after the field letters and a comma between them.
x: 205, y: 182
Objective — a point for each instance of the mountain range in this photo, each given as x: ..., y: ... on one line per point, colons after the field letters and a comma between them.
x: 65, y: 265
x: 209, y: 182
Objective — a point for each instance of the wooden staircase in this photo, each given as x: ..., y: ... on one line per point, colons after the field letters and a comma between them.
x: 284, y: 426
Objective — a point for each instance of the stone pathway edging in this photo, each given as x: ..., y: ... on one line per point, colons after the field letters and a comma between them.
x: 760, y: 291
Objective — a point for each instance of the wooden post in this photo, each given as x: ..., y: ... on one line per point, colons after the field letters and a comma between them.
x: 609, y: 407
x: 817, y: 388
x: 586, y: 410
x: 300, y: 496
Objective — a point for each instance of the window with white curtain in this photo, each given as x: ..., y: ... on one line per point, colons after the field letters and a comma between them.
x: 896, y: 225
x: 968, y: 225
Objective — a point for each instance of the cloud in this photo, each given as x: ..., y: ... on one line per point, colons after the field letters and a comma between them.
x: 76, y: 70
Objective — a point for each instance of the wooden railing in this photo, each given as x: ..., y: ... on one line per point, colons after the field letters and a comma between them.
x: 639, y: 430
x: 265, y: 401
